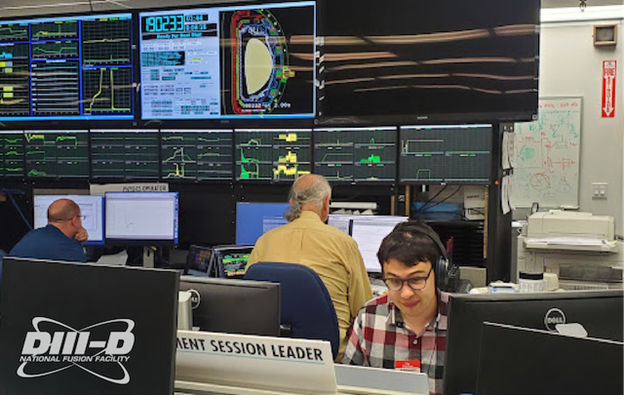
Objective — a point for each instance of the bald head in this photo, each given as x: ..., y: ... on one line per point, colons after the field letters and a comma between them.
x: 63, y: 210
x: 309, y: 193
x: 64, y: 214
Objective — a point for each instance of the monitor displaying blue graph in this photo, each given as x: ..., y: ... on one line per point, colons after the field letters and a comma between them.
x: 254, y: 219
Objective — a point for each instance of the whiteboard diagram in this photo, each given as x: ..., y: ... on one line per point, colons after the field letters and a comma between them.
x: 547, y: 155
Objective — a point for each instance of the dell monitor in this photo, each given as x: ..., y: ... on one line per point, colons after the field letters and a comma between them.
x: 600, y: 313
x: 552, y: 364
x: 368, y: 232
x: 142, y: 218
x: 91, y: 207
x: 254, y: 219
x: 234, y: 306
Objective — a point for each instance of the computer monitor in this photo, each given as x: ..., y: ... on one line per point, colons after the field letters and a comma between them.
x: 198, y: 260
x: 600, y: 312
x: 230, y: 261
x: 142, y: 218
x: 368, y: 232
x: 71, y: 328
x: 552, y: 364
x: 91, y: 207
x: 254, y: 219
x: 234, y: 306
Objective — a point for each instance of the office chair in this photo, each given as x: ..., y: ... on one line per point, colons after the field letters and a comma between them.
x: 306, y: 307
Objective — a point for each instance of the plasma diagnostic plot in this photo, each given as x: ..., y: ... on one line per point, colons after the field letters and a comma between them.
x: 272, y: 155
x: 356, y: 154
x: 196, y: 155
x: 58, y: 153
x: 67, y: 68
x: 446, y: 153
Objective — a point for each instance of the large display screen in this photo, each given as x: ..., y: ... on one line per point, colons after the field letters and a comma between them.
x: 11, y: 153
x: 356, y: 154
x: 408, y: 61
x: 272, y: 154
x: 56, y: 153
x: 128, y: 154
x: 459, y: 154
x: 197, y: 155
x: 228, y: 62
x: 68, y: 68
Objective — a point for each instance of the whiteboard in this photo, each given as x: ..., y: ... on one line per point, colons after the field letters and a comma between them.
x: 547, y: 155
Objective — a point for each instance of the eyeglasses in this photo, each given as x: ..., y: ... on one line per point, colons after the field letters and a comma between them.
x: 82, y: 217
x: 415, y: 283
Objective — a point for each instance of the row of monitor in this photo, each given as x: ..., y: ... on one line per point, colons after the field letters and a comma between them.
x: 121, y: 217
x: 203, y: 63
x: 42, y: 288
x: 276, y: 60
x: 458, y: 154
x: 253, y: 219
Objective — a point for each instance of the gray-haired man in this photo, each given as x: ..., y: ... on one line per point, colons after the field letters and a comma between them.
x: 332, y: 254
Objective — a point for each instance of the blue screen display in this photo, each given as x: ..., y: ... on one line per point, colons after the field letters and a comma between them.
x: 254, y: 219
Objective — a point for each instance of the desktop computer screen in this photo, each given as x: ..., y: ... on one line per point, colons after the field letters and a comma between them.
x: 198, y: 260
x: 91, y: 207
x: 600, y: 313
x: 230, y: 261
x: 146, y: 217
x: 254, y: 219
x: 368, y: 232
x: 553, y: 364
x: 234, y: 306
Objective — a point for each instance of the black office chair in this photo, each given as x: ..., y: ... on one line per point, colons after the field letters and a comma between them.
x: 306, y: 307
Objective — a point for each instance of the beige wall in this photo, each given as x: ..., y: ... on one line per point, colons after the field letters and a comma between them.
x: 570, y: 65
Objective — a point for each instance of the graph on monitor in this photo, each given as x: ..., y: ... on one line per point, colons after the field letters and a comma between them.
x: 67, y: 68
x: 196, y: 154
x: 272, y: 154
x: 59, y: 153
x: 127, y: 154
x: 356, y: 154
x: 447, y: 153
x: 11, y: 153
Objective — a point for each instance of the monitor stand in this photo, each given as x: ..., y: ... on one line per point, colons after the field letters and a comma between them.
x: 148, y: 257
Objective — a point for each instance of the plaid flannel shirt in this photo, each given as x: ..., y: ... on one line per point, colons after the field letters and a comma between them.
x: 379, y: 337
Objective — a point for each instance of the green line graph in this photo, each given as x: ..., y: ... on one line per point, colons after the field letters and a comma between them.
x: 58, y: 49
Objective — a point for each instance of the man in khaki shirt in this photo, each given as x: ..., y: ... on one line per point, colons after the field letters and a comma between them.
x: 331, y: 253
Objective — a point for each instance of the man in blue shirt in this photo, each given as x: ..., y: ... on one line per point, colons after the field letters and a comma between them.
x: 60, y: 240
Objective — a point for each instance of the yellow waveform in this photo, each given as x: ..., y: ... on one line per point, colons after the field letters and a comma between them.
x: 289, y: 158
x: 288, y: 171
x: 290, y: 137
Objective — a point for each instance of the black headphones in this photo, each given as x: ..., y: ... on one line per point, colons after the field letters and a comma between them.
x: 442, y: 267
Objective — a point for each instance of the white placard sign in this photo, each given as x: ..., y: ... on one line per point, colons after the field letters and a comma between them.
x: 272, y: 363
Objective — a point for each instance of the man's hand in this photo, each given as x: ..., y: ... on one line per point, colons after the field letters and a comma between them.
x: 82, y: 235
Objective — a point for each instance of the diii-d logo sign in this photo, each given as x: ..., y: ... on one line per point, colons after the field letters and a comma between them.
x: 62, y: 347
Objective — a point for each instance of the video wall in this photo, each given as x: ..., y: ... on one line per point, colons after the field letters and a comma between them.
x: 209, y: 63
x: 452, y: 154
x: 262, y: 93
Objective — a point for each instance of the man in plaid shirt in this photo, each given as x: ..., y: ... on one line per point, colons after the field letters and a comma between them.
x: 407, y: 326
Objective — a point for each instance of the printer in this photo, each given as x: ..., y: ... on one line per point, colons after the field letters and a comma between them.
x: 579, y: 247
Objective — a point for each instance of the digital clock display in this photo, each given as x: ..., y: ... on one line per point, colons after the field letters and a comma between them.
x: 163, y: 23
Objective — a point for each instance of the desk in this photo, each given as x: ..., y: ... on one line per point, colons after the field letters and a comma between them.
x: 190, y: 388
